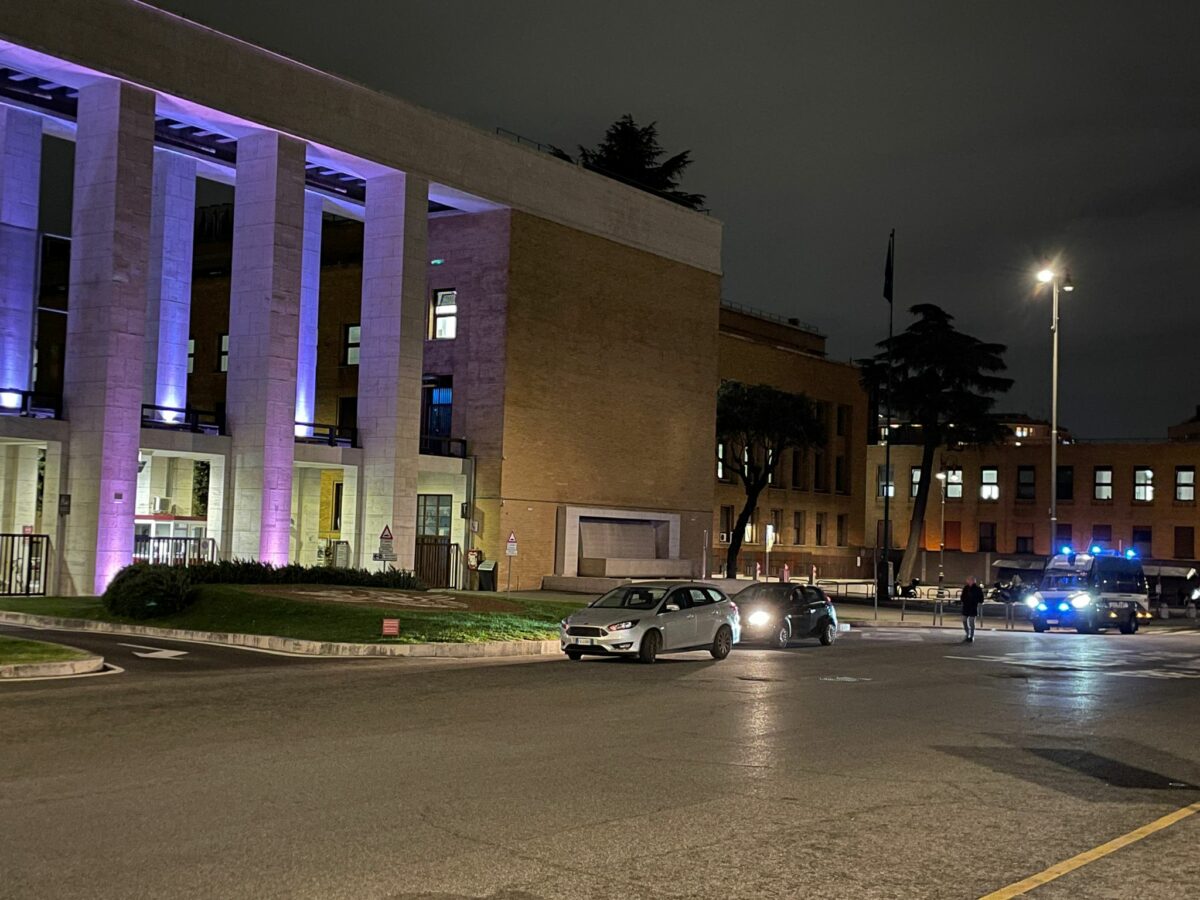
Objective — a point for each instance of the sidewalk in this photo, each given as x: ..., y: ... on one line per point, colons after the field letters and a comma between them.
x: 862, y: 615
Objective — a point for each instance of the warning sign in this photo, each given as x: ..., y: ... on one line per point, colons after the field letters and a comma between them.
x: 387, y: 546
x: 510, y: 547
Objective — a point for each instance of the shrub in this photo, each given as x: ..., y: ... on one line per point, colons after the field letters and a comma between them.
x: 143, y: 591
x: 244, y: 571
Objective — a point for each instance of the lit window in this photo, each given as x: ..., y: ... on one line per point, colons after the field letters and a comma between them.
x: 884, y: 484
x: 1102, y: 483
x: 1143, y: 485
x: 445, y: 315
x: 223, y: 354
x: 34, y: 373
x: 1023, y: 431
x: 351, y: 345
x: 720, y: 461
x: 191, y: 355
x: 989, y: 483
x: 1185, y: 483
x: 914, y: 480
x: 954, y: 484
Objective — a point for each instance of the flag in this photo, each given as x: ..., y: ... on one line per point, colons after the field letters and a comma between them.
x: 887, y: 271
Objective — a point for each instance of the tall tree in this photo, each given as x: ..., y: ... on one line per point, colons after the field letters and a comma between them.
x: 631, y: 152
x: 944, y: 381
x: 757, y: 424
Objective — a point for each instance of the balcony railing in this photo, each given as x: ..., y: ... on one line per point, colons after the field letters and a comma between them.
x: 198, y: 421
x: 29, y: 404
x: 432, y: 445
x: 332, y: 435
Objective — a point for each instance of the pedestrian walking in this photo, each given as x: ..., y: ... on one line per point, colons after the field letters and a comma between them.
x: 972, y: 598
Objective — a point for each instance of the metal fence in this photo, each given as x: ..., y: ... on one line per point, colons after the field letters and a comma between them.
x: 23, y: 564
x: 174, y: 551
x: 438, y: 563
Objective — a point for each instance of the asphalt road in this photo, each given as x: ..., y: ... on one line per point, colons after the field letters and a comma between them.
x: 897, y: 764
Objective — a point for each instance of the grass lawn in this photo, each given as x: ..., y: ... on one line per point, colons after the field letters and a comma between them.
x: 17, y: 651
x: 229, y: 608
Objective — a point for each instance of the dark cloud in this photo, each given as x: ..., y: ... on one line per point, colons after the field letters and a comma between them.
x: 988, y: 135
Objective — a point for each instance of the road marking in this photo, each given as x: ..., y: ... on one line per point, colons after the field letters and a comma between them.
x: 155, y: 652
x: 1070, y: 865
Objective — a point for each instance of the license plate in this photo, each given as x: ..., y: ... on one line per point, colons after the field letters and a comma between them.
x: 1119, y: 604
x: 585, y: 642
x: 1052, y: 621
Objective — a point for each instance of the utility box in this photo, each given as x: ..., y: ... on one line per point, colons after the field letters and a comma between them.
x: 487, y: 575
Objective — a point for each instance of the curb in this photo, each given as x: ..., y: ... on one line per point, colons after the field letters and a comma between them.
x: 296, y: 646
x: 53, y: 669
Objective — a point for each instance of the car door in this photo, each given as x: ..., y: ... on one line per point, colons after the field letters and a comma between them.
x: 678, y: 626
x: 798, y: 612
x: 719, y: 609
x: 707, y: 612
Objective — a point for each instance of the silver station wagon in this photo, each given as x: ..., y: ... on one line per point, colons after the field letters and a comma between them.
x: 647, y: 618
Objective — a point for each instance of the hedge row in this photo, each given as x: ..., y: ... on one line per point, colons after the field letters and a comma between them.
x: 147, y: 591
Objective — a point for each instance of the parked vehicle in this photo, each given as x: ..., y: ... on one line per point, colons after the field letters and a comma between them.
x: 647, y: 618
x: 777, y: 614
x: 1090, y: 592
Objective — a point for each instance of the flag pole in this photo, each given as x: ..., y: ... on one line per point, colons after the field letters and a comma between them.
x: 889, y: 481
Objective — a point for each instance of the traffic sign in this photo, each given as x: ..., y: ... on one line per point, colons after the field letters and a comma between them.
x: 387, y: 546
x: 510, y: 547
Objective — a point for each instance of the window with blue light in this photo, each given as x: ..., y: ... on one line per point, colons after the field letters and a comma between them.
x: 437, y: 401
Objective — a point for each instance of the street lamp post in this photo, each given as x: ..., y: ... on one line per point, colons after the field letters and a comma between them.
x: 941, y: 591
x: 1057, y: 282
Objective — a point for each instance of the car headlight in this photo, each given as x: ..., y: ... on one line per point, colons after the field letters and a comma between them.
x: 1033, y: 600
x: 1042, y: 607
x: 622, y: 626
x: 565, y: 623
x: 760, y: 617
x: 1080, y: 601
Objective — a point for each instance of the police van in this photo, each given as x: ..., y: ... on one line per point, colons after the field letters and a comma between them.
x: 1090, y: 592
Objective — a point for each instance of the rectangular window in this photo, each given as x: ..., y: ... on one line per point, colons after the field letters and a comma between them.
x: 799, y: 482
x: 1102, y: 483
x: 914, y: 480
x: 1064, y: 484
x: 726, y: 523
x: 445, y: 315
x: 336, y: 522
x: 191, y: 357
x: 720, y: 461
x: 1024, y: 543
x: 987, y: 537
x: 885, y: 486
x: 953, y: 535
x: 223, y: 354
x: 1185, y: 541
x: 989, y: 483
x: 433, y: 515
x: 820, y: 535
x: 842, y: 521
x: 770, y: 458
x: 1062, y: 536
x: 800, y: 525
x: 777, y: 523
x: 1026, y: 482
x: 1101, y: 535
x: 1143, y: 485
x: 1143, y: 538
x: 954, y: 483
x: 843, y: 420
x: 437, y: 406
x: 820, y: 472
x: 1185, y: 483
x: 840, y: 482
x: 351, y: 343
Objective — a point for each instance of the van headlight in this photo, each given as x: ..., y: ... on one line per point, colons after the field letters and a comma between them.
x: 1081, y: 600
x: 1033, y: 600
x: 760, y: 617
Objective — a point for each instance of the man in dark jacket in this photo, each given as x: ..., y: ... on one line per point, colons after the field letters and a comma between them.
x: 972, y: 599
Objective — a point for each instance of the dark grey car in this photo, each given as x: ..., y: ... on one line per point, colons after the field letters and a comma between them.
x: 778, y: 613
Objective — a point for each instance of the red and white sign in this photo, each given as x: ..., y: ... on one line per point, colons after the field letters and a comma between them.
x: 510, y: 546
x: 391, y: 628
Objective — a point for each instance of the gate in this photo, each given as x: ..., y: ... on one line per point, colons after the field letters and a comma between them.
x: 174, y: 551
x: 437, y: 562
x: 23, y: 559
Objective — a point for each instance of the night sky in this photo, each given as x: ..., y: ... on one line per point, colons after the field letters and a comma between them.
x: 988, y: 135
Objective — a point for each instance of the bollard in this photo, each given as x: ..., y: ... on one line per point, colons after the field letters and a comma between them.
x: 1191, y: 610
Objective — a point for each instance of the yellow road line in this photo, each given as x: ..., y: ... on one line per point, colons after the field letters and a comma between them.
x: 1070, y: 865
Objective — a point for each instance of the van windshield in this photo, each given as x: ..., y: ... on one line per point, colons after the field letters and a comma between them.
x: 1060, y: 580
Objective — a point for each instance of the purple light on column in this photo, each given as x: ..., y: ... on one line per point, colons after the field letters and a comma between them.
x: 310, y: 289
x: 20, y: 175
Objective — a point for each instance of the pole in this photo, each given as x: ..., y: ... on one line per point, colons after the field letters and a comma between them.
x: 1054, y: 420
x: 888, y: 481
x: 941, y: 592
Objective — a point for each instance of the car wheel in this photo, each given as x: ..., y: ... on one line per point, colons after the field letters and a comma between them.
x: 828, y: 632
x: 1040, y: 627
x: 783, y: 636
x: 574, y: 655
x: 722, y: 643
x: 1129, y: 627
x: 1085, y: 628
x: 651, y: 643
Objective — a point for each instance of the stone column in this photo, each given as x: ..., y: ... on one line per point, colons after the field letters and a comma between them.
x: 264, y: 310
x: 389, y: 371
x: 215, y: 524
x: 169, y: 298
x: 310, y: 291
x: 20, y: 176
x: 102, y: 382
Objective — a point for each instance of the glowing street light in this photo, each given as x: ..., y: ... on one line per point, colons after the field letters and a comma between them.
x: 1058, y: 282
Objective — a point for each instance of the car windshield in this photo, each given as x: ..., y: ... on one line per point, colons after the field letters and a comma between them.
x: 631, y: 597
x: 1058, y: 580
x: 764, y: 593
